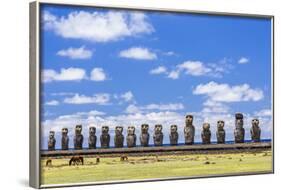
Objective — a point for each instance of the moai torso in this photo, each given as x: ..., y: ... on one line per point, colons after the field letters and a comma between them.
x: 239, y: 131
x: 119, y: 137
x: 105, y: 137
x: 220, y: 132
x: 78, y: 138
x: 131, y: 137
x: 158, y: 135
x: 92, y: 141
x: 144, y: 137
x: 255, y: 131
x: 206, y: 134
x: 51, y: 141
x: 174, y: 136
x: 189, y: 130
x: 64, y: 139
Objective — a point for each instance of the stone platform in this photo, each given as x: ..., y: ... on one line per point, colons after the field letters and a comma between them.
x: 157, y: 150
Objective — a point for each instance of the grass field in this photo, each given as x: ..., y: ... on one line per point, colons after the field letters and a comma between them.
x: 145, y: 167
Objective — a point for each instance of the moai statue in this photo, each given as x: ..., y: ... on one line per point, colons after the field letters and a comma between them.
x: 105, y: 137
x: 239, y: 131
x: 255, y: 131
x: 131, y: 137
x: 64, y: 139
x: 52, y: 141
x: 206, y: 134
x: 158, y: 135
x: 92, y: 140
x: 119, y: 137
x: 220, y: 132
x: 174, y: 135
x: 144, y: 137
x: 78, y: 138
x: 189, y: 130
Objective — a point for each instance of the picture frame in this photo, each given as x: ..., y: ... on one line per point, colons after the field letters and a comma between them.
x: 38, y: 151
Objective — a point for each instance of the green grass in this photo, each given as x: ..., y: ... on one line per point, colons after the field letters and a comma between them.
x: 145, y: 167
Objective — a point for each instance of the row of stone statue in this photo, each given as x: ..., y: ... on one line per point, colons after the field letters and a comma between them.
x: 189, y: 133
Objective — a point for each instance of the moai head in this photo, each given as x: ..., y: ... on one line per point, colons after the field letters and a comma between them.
x: 78, y: 129
x: 92, y: 130
x: 51, y: 141
x: 188, y: 119
x: 174, y: 128
x: 64, y: 131
x: 131, y: 130
x: 118, y: 130
x: 144, y: 128
x: 52, y: 134
x: 158, y: 128
x: 255, y: 123
x: 239, y: 120
x: 206, y: 126
x: 220, y: 125
x: 104, y: 129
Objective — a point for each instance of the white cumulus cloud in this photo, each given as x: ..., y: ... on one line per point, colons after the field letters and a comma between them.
x: 100, y: 99
x: 158, y: 70
x: 171, y: 106
x: 162, y: 107
x: 169, y: 53
x: 98, y: 26
x: 132, y: 109
x: 174, y: 74
x: 211, y: 106
x: 139, y: 53
x: 98, y: 74
x: 127, y: 96
x: 52, y: 103
x: 62, y: 94
x: 226, y: 93
x: 264, y: 113
x: 76, y: 53
x: 69, y: 74
x: 195, y: 68
x: 243, y: 60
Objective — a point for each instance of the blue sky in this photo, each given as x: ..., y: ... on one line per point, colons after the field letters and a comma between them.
x: 117, y: 67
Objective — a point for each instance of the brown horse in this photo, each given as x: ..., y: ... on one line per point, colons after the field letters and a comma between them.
x: 76, y: 160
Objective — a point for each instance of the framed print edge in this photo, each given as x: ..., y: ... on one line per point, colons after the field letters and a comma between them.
x: 147, y: 8
x: 156, y: 179
x: 34, y: 95
x: 273, y: 90
x: 34, y: 118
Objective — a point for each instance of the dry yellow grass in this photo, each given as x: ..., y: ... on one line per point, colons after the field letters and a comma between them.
x: 146, y: 167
